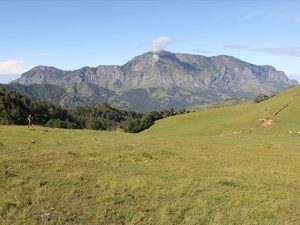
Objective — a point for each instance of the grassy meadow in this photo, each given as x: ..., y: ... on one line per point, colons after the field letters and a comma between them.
x: 233, y: 165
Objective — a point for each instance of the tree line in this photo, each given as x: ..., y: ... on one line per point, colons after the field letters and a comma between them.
x: 15, y: 107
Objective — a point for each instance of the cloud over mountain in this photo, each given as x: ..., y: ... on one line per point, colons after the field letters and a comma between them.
x: 12, y: 67
x: 159, y: 44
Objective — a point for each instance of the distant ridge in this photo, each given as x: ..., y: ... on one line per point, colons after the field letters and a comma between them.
x: 175, y: 80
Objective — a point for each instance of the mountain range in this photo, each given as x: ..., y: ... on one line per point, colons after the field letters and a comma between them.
x: 146, y: 83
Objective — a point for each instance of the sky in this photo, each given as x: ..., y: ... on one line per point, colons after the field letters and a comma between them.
x: 70, y: 34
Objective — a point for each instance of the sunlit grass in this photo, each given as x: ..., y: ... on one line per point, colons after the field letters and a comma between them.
x: 190, y: 169
x: 92, y: 177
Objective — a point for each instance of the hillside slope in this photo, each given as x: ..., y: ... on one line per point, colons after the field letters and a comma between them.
x: 59, y: 176
x: 218, y: 166
x: 278, y: 114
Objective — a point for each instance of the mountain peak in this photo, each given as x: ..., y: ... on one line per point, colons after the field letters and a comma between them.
x: 165, y: 79
x: 45, y: 67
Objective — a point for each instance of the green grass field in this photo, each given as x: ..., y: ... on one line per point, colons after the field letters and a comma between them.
x: 221, y: 166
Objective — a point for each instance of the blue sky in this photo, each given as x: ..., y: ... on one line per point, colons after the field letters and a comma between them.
x: 71, y: 34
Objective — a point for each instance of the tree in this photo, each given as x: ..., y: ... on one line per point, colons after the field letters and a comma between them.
x: 261, y: 97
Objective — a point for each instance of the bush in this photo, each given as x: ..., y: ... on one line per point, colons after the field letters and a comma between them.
x: 261, y: 98
x: 57, y: 123
x: 94, y: 124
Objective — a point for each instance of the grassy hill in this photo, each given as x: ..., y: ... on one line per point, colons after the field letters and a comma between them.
x: 276, y: 115
x: 210, y: 167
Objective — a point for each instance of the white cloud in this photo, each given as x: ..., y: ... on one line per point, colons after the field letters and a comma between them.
x: 12, y: 67
x: 158, y: 44
x: 201, y: 51
x: 237, y: 46
x: 155, y: 57
x: 290, y: 51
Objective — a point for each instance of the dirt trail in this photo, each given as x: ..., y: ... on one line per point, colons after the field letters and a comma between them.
x: 279, y: 110
x: 267, y: 121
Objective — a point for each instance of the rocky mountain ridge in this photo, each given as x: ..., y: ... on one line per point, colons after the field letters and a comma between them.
x: 175, y: 80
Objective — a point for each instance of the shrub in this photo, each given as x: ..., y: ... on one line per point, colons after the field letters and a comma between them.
x: 57, y: 123
x: 261, y: 98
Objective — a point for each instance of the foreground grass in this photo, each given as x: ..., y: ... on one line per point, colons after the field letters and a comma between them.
x: 56, y: 176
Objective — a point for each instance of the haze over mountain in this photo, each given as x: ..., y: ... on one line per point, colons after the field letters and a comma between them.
x: 168, y: 80
x: 6, y: 78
